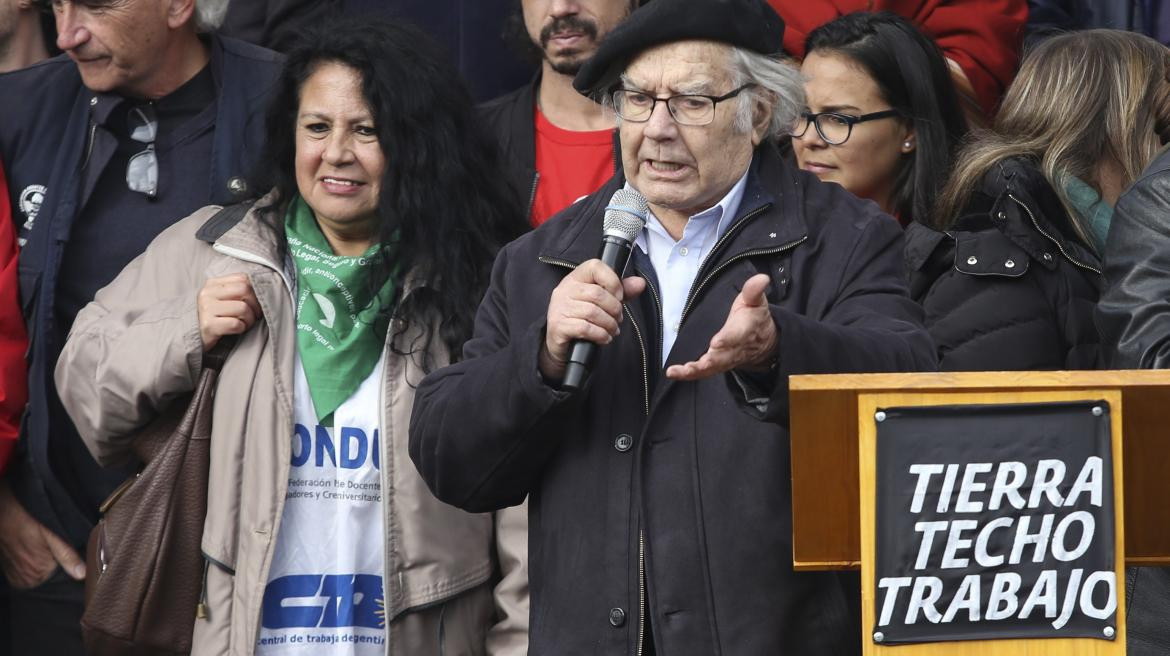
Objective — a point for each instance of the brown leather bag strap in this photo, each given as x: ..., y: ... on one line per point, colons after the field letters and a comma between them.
x: 215, y: 358
x: 148, y: 444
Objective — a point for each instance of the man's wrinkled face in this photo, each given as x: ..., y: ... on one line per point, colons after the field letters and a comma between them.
x: 687, y: 168
x: 115, y: 43
x: 569, y: 31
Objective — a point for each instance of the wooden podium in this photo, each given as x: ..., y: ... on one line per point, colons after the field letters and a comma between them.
x: 833, y: 485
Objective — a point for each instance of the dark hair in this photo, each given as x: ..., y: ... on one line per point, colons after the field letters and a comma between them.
x: 913, y: 78
x: 442, y: 190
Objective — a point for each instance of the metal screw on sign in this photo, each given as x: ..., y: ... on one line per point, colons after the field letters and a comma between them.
x: 1098, y: 411
x: 878, y: 636
x: 879, y: 416
x: 1109, y: 632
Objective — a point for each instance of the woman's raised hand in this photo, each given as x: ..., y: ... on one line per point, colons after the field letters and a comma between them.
x: 227, y: 306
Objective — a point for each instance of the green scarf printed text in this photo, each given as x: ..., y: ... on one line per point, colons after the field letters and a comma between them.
x: 339, y: 335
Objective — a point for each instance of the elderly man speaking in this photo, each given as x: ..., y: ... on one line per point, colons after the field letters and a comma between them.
x: 660, y: 502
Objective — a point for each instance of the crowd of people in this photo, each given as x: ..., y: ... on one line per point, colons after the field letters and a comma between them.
x: 826, y: 186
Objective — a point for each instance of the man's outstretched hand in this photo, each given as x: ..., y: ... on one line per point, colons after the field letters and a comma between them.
x: 748, y: 339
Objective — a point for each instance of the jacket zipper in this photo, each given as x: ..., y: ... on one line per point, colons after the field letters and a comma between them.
x: 384, y: 479
x: 715, y: 249
x: 641, y: 590
x: 1050, y: 238
x: 201, y: 607
x: 254, y: 259
x: 247, y: 256
x: 707, y: 278
x: 658, y: 306
x: 89, y: 144
x: 532, y: 195
x: 633, y: 322
x: 763, y: 251
x: 646, y: 407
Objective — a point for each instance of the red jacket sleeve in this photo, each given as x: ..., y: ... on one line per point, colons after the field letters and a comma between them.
x: 982, y: 36
x: 13, y: 338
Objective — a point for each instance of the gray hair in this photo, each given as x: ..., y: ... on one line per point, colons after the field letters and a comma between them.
x: 209, y: 14
x: 778, y: 85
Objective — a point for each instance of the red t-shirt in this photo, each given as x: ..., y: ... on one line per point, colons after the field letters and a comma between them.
x: 571, y: 165
x: 13, y: 340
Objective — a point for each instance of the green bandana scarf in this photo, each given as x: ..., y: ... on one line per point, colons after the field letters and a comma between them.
x: 339, y: 337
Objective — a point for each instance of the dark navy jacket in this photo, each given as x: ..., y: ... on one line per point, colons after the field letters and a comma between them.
x: 692, y: 467
x: 471, y: 31
x: 45, y: 136
x: 1051, y: 17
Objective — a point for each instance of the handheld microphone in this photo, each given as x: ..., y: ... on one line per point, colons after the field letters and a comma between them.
x: 625, y: 216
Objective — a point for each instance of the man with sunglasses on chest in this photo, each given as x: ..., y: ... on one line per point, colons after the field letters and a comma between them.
x: 145, y: 118
x: 660, y: 489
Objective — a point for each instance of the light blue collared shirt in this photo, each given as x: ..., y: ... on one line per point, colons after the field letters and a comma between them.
x: 677, y: 263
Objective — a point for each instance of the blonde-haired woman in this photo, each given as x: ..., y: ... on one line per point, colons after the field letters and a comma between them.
x: 1009, y: 272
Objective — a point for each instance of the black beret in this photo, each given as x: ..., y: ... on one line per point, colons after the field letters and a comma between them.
x: 749, y: 24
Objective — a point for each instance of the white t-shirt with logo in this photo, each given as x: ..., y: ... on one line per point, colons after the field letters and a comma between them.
x: 324, y: 595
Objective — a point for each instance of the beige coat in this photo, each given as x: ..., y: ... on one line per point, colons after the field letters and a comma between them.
x: 137, y: 346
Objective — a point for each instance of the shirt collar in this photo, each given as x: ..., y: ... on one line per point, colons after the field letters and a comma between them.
x: 723, y: 213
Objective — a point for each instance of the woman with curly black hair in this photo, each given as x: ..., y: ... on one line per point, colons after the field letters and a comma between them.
x: 355, y: 275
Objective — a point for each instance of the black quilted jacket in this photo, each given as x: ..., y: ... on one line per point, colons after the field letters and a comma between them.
x: 1010, y: 286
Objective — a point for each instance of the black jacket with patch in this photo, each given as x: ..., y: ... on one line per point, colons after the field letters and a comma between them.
x: 46, y: 138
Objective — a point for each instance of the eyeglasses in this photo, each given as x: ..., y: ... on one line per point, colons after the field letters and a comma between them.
x: 687, y: 109
x: 142, y: 170
x: 835, y: 128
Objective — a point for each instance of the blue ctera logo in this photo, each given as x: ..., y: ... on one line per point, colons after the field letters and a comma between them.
x: 327, y: 601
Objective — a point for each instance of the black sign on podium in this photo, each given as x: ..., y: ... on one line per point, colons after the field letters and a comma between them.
x: 994, y: 521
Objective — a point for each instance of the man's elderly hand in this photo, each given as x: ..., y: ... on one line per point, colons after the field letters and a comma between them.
x: 586, y: 305
x: 748, y: 339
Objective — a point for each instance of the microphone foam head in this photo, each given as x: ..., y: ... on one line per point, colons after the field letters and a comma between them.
x: 626, y: 214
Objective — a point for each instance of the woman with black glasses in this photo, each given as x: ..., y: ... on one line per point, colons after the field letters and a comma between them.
x: 883, y: 118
